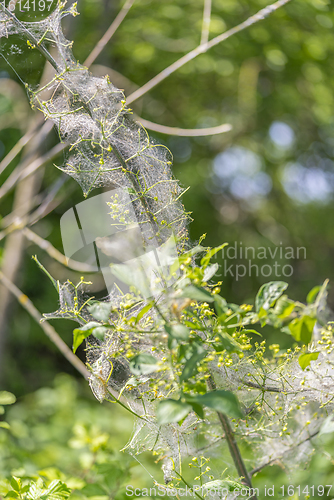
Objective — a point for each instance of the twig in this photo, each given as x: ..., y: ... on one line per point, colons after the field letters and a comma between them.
x: 262, y: 388
x: 39, y: 46
x: 185, y: 132
x: 273, y: 460
x: 232, y: 444
x: 51, y: 333
x: 47, y: 328
x: 109, y: 33
x: 206, y: 21
x: 263, y: 13
x: 55, y: 254
x: 18, y: 147
x: 24, y: 171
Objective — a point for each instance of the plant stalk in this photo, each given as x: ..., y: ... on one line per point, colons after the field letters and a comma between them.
x: 232, y: 444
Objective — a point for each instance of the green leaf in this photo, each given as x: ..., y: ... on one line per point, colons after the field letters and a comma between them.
x: 12, y: 494
x: 184, y: 257
x: 302, y: 328
x: 284, y: 307
x: 210, y: 271
x: 220, y: 305
x: 100, y: 332
x: 268, y: 293
x: 80, y: 334
x: 247, y: 330
x: 100, y: 310
x: 144, y: 310
x: 4, y: 425
x: 312, y: 295
x: 170, y: 410
x: 198, y: 409
x: 222, y: 401
x: 210, y: 253
x: 132, y: 276
x: 142, y: 364
x: 93, y: 490
x: 190, y: 368
x: 7, y: 398
x: 226, y: 342
x: 178, y: 331
x: 15, y: 483
x: 56, y: 491
x: 196, y: 293
x: 305, y: 359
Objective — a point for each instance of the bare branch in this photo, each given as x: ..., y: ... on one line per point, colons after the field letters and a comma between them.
x: 24, y: 171
x: 232, y: 444
x: 206, y: 21
x: 273, y: 460
x: 55, y: 254
x: 12, y: 154
x: 185, y: 132
x: 49, y: 331
x: 201, y: 49
x: 109, y: 33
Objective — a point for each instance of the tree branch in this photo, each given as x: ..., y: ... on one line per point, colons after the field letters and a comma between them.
x: 55, y: 254
x: 273, y: 460
x: 109, y: 33
x: 185, y: 132
x: 232, y: 444
x: 206, y: 21
x: 23, y: 171
x: 201, y: 49
x: 49, y: 331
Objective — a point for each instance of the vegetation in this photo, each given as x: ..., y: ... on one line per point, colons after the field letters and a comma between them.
x: 169, y: 347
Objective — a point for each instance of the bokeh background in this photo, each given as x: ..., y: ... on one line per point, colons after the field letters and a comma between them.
x: 269, y: 182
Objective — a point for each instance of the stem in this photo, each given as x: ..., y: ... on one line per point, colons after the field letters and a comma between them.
x: 202, y: 48
x: 185, y: 132
x: 47, y: 328
x: 109, y: 33
x: 30, y: 37
x: 206, y: 21
x: 232, y: 444
x: 273, y: 460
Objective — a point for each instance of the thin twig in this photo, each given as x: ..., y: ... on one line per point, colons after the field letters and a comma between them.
x: 47, y: 328
x: 185, y: 132
x: 262, y: 388
x: 232, y: 444
x: 206, y: 21
x: 39, y: 46
x: 273, y: 460
x: 55, y: 254
x: 108, y: 34
x: 22, y: 172
x: 18, y: 147
x: 263, y: 13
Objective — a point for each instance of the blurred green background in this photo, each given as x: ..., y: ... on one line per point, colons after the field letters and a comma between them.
x: 269, y: 182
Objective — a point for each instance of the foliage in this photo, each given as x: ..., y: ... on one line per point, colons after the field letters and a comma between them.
x: 173, y: 351
x: 58, y: 436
